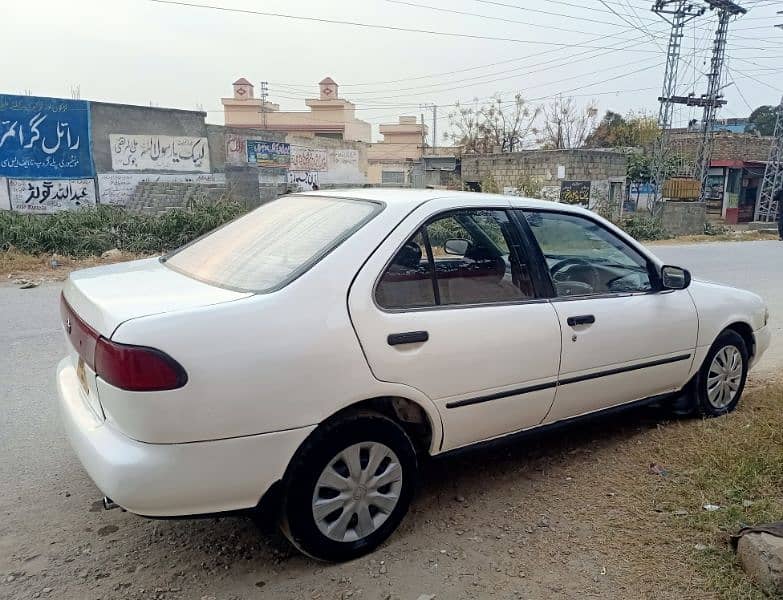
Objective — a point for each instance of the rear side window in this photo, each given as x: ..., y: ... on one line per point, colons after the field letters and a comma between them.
x: 464, y: 257
x: 268, y: 247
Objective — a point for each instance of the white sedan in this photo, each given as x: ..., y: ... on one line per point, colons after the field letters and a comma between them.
x: 313, y: 351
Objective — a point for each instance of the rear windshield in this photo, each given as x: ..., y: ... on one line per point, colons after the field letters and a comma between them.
x: 272, y: 245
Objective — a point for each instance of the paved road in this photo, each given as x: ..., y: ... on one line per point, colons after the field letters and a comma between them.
x: 49, y: 528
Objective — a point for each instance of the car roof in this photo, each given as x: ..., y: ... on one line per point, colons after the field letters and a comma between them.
x: 415, y: 197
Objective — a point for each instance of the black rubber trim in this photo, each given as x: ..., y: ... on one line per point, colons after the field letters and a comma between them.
x: 551, y: 384
x: 654, y: 363
x: 499, y: 395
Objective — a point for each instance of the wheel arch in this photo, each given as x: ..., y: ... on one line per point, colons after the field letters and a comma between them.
x: 745, y: 331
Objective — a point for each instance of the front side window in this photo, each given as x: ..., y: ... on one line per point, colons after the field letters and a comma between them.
x: 273, y: 244
x: 585, y: 259
x: 462, y: 257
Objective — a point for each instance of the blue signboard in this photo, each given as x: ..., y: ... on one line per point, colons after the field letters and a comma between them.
x: 44, y: 138
x: 268, y: 154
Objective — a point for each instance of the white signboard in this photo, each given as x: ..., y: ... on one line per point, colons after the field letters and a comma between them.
x: 158, y: 153
x: 308, y: 159
x: 5, y: 201
x: 118, y: 188
x: 51, y: 195
x: 303, y: 181
x: 342, y: 166
x: 236, y: 149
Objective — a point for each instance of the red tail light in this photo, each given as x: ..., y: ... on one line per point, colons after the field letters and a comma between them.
x: 137, y: 368
x: 132, y: 368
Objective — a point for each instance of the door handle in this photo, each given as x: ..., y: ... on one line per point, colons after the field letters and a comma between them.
x: 409, y: 337
x: 580, y: 320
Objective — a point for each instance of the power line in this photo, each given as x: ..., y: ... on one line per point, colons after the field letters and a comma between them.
x: 374, y: 25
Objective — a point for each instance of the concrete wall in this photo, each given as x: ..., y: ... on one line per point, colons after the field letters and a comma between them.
x: 110, y: 119
x: 683, y: 218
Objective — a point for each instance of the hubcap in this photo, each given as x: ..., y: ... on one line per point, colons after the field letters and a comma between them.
x: 724, y: 377
x: 357, y: 491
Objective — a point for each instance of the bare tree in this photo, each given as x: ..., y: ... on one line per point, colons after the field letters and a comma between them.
x: 565, y: 125
x: 495, y: 125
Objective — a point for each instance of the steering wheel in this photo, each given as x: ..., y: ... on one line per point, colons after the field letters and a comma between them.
x: 595, y: 280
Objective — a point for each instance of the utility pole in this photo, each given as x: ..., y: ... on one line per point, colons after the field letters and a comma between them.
x: 683, y: 11
x: 434, y: 108
x: 713, y: 99
x: 264, y: 92
x: 677, y: 13
x: 767, y: 206
x: 422, y: 134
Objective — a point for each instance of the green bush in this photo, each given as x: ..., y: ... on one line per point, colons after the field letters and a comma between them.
x: 644, y: 228
x: 92, y: 231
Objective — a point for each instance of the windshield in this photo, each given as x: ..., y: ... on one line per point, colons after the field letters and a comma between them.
x: 272, y: 245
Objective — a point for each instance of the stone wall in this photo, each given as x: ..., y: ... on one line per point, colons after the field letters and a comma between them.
x: 548, y: 167
x: 683, y: 218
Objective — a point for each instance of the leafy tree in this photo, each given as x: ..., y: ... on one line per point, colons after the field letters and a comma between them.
x: 565, y: 125
x: 614, y: 130
x: 762, y: 120
x: 483, y: 128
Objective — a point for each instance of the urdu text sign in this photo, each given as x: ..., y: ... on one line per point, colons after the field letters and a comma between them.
x: 44, y: 137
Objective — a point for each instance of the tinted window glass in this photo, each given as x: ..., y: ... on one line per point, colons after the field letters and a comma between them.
x: 473, y: 260
x: 272, y: 244
x: 477, y: 260
x: 407, y: 281
x: 584, y: 258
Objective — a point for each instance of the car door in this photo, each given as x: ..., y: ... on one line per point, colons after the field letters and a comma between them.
x: 623, y: 337
x: 448, y: 304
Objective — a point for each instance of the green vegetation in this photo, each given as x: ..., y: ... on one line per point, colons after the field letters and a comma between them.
x: 643, y: 228
x: 92, y: 231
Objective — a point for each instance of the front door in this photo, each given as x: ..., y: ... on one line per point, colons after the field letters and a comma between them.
x: 447, y: 304
x: 622, y: 339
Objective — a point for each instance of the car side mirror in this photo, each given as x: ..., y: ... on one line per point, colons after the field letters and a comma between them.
x: 675, y: 278
x: 456, y: 247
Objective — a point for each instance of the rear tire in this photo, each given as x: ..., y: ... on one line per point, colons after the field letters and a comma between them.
x: 721, y: 380
x: 348, y: 487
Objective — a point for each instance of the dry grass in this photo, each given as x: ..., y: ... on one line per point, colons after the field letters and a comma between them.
x: 15, y: 265
x: 730, y: 462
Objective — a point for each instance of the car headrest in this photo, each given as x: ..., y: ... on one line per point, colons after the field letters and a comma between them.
x: 409, y: 256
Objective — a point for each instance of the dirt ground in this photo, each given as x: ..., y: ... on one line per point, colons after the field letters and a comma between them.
x: 571, y: 514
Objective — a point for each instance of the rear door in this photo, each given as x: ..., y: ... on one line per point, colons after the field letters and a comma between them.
x: 448, y: 304
x: 623, y: 338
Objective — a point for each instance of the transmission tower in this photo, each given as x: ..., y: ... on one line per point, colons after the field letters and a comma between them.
x: 767, y: 207
x: 713, y: 99
x: 677, y: 13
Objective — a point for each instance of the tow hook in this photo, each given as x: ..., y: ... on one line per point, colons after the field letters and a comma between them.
x: 109, y: 504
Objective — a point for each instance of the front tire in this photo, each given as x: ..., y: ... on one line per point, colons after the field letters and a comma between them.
x: 721, y: 379
x: 348, y: 487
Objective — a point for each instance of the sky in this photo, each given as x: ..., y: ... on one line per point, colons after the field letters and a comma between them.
x: 607, y: 53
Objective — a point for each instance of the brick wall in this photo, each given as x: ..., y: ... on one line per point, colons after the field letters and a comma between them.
x: 726, y: 145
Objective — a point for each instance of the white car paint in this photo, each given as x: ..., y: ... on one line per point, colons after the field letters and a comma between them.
x: 265, y: 369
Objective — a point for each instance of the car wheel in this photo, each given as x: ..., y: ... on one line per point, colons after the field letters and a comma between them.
x: 348, y: 487
x: 722, y: 377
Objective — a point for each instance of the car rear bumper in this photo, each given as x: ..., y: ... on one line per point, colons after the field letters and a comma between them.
x: 763, y: 338
x: 166, y: 480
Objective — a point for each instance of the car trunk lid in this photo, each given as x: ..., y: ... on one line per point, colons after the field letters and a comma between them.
x: 104, y: 297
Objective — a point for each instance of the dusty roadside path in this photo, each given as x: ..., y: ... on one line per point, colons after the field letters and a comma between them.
x: 565, y: 515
